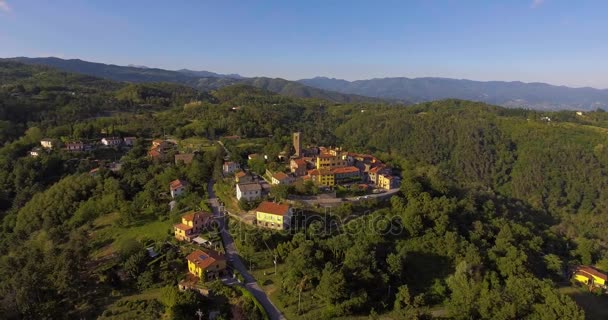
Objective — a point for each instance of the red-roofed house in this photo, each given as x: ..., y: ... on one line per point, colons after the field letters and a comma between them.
x: 230, y: 167
x: 281, y: 178
x: 177, y: 187
x: 375, y: 172
x: 206, y: 265
x: 273, y: 215
x: 298, y: 167
x: 191, y: 225
x: 591, y: 276
x: 346, y: 174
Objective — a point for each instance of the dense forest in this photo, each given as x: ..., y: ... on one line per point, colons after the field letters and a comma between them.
x: 496, y: 204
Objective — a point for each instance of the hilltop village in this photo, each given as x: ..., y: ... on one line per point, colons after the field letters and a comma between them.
x: 320, y: 170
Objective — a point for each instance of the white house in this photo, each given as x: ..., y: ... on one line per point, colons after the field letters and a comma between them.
x: 111, y: 141
x: 177, y: 188
x: 230, y: 167
x: 248, y: 191
x: 35, y: 152
x: 47, y: 143
x: 129, y: 141
x: 74, y: 146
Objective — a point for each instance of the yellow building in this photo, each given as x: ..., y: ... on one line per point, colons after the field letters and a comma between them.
x: 206, y: 265
x: 191, y: 225
x: 273, y: 215
x: 591, y: 277
x: 323, y: 177
x: 387, y: 182
x: 329, y: 162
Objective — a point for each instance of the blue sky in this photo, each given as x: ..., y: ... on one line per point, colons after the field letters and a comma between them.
x: 559, y: 42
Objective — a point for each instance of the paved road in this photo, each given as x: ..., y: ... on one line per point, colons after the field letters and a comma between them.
x: 233, y: 255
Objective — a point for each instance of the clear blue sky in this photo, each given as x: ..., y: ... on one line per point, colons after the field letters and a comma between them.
x: 554, y: 41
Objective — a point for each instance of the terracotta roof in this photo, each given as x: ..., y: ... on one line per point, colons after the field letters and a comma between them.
x: 249, y: 186
x: 182, y: 226
x: 280, y: 176
x: 346, y: 170
x: 240, y: 174
x: 204, y: 259
x: 273, y: 208
x: 377, y: 169
x: 190, y: 216
x: 176, y: 184
x: 592, y: 271
x: 154, y: 153
x: 326, y: 155
x: 300, y: 162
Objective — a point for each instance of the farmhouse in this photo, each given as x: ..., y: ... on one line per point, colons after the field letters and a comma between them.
x: 177, y: 187
x: 273, y: 215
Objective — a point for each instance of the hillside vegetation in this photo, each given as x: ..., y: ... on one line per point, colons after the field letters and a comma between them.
x: 495, y: 205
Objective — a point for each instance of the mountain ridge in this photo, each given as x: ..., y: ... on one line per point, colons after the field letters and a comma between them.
x: 190, y: 78
x: 533, y: 95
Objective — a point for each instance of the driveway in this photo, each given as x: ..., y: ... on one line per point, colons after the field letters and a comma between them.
x: 233, y: 256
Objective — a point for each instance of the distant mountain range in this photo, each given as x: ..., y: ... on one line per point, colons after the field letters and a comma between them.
x: 403, y: 90
x: 508, y: 94
x: 203, y: 80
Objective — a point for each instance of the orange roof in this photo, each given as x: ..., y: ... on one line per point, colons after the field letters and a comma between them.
x: 191, y: 215
x: 240, y: 174
x: 280, y: 176
x: 300, y: 162
x: 377, y: 169
x: 346, y: 170
x: 592, y: 271
x: 273, y: 208
x: 326, y: 155
x: 182, y: 226
x: 154, y: 153
x: 177, y: 184
x: 204, y: 259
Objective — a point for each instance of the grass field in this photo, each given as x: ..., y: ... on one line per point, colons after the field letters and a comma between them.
x: 596, y: 307
x: 107, y: 232
x: 196, y: 143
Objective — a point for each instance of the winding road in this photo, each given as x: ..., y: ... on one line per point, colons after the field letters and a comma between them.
x: 233, y: 256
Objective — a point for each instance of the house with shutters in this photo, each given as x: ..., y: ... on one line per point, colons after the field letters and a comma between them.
x: 273, y: 215
x: 192, y: 224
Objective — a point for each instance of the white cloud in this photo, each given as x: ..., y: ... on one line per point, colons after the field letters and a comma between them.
x: 536, y: 3
x: 4, y: 6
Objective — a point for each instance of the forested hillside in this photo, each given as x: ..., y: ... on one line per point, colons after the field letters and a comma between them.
x: 495, y: 205
x: 199, y: 80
